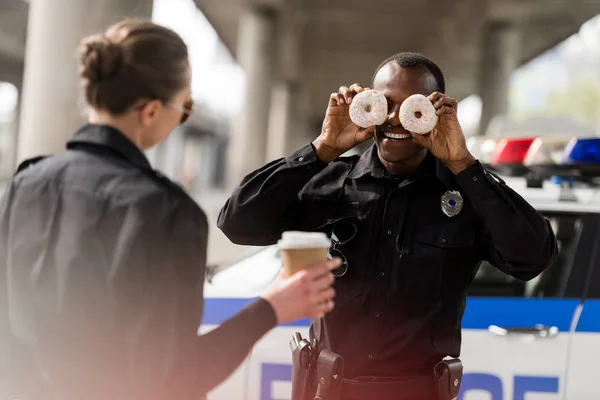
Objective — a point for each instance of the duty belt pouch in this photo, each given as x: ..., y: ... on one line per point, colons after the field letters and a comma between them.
x: 330, y: 371
x: 448, y: 377
x: 302, y: 357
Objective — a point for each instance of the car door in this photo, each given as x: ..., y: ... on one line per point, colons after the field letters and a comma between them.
x: 266, y: 372
x: 516, y: 334
x: 227, y: 290
x: 582, y: 372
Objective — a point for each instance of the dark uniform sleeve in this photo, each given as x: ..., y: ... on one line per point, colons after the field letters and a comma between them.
x: 15, y: 360
x: 169, y: 346
x: 517, y: 240
x: 264, y: 205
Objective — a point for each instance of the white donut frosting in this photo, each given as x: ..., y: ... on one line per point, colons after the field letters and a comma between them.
x: 411, y: 122
x: 303, y: 240
x: 368, y: 108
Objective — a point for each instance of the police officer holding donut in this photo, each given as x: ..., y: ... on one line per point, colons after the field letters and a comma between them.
x: 412, y: 218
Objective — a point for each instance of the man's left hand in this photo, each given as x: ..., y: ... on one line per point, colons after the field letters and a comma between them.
x: 446, y: 141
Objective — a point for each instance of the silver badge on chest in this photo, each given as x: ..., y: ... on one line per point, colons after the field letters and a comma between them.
x: 452, y: 203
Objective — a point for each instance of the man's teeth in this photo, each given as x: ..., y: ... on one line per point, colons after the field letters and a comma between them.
x: 396, y: 135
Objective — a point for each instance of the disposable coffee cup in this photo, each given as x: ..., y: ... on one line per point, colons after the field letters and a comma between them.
x: 301, y: 250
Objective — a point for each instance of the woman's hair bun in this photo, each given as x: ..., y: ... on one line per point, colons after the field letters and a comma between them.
x: 132, y: 60
x: 99, y: 58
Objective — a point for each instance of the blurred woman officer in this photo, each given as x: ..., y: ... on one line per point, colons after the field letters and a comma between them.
x: 103, y: 259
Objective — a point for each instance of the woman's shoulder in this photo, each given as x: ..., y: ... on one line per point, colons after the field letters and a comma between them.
x: 118, y: 186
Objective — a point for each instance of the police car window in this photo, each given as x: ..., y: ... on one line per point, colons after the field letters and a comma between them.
x: 491, y: 282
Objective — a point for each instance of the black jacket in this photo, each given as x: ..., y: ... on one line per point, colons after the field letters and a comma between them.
x: 399, y: 307
x: 102, y: 264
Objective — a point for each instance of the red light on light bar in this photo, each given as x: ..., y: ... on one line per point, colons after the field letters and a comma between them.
x: 511, y: 151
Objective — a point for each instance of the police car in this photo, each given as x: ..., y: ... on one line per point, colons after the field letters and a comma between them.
x: 536, y: 340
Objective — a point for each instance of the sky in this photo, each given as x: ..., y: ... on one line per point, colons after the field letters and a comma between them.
x: 215, y: 79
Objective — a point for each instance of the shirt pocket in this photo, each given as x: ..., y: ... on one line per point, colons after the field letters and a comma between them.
x: 446, y: 236
x: 437, y: 250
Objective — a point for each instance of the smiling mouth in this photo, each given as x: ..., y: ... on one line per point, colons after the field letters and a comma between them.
x: 396, y: 136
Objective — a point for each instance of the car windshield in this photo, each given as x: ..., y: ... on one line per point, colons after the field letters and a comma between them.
x: 247, y: 277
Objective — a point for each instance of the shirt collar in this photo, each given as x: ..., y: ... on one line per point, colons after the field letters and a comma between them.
x: 369, y: 163
x: 109, y: 138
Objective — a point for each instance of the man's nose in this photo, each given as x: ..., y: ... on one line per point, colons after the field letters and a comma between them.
x: 393, y: 117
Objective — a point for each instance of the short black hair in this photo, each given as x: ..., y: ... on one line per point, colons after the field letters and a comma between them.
x: 409, y: 60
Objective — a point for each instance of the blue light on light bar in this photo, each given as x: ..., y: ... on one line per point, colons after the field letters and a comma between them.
x: 582, y: 151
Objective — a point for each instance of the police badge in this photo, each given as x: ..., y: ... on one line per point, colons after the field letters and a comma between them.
x: 452, y: 203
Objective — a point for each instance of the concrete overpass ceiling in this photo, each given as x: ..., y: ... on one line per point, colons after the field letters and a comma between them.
x: 342, y: 41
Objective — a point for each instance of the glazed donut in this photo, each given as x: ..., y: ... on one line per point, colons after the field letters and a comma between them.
x: 417, y: 103
x: 368, y: 108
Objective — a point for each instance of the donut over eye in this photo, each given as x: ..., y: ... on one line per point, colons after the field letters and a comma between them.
x: 417, y: 114
x: 368, y: 108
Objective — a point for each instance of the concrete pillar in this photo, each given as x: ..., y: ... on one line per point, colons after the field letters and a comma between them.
x: 52, y: 106
x: 208, y: 163
x: 8, y: 134
x: 500, y: 56
x: 281, y: 121
x: 15, y: 129
x: 248, y: 145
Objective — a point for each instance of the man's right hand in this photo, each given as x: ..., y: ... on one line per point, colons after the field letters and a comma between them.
x: 339, y: 134
x: 306, y: 294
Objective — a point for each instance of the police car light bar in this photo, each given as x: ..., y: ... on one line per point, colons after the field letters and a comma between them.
x: 509, y: 154
x: 541, y: 158
x: 511, y: 151
x: 544, y: 158
x: 582, y: 151
x: 546, y: 151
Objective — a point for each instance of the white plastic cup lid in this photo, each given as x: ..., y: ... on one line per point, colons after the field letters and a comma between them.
x: 303, y: 240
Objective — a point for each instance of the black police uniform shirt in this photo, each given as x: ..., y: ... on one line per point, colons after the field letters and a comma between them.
x: 399, y: 307
x: 102, y: 262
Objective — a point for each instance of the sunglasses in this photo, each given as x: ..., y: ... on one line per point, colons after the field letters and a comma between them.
x: 343, y: 232
x: 185, y: 111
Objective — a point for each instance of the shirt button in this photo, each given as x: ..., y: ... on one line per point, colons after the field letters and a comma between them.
x: 442, y: 240
x: 370, y: 356
x: 382, y: 274
x: 474, y: 179
x: 301, y: 159
x: 389, y: 232
x: 376, y: 315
